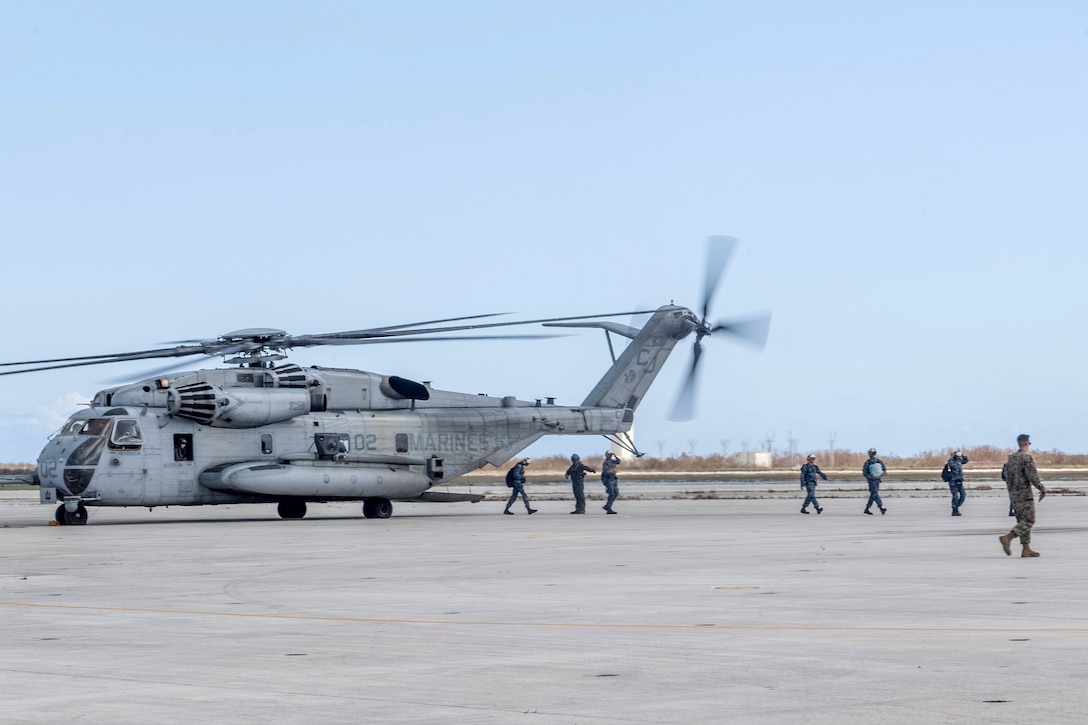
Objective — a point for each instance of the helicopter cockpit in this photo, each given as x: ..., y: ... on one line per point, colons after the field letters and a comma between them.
x: 80, y: 445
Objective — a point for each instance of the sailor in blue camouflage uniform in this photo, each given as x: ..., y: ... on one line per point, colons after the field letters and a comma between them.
x: 955, y: 480
x: 577, y: 475
x: 809, y: 471
x: 1020, y: 476
x: 515, y: 479
x: 608, y: 478
x: 874, y: 469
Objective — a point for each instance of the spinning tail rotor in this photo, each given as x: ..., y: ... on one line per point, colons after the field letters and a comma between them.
x: 751, y: 330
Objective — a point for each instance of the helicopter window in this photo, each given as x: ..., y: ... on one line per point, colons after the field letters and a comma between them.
x: 96, y: 427
x: 183, y: 447
x: 87, y: 453
x: 73, y: 427
x: 266, y: 443
x: 401, y: 441
x: 126, y: 434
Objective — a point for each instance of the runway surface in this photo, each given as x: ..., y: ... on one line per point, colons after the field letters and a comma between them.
x: 674, y: 611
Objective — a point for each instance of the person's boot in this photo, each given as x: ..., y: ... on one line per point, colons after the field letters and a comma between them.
x: 804, y: 511
x: 883, y: 510
x: 1006, y: 540
x: 867, y: 511
x: 532, y: 511
x: 819, y: 510
x: 508, y: 512
x: 1028, y: 552
x: 956, y: 511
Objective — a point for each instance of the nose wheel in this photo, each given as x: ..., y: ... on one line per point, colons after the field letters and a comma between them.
x: 65, y: 517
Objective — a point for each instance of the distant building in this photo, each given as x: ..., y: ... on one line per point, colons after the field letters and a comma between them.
x: 755, y: 459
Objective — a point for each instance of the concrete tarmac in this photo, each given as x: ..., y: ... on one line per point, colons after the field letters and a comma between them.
x: 673, y: 611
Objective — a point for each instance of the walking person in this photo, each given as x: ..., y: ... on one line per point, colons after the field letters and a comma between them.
x: 1020, y: 476
x: 873, y: 469
x: 608, y: 478
x: 577, y: 475
x: 515, y: 479
x: 955, y: 480
x: 809, y: 471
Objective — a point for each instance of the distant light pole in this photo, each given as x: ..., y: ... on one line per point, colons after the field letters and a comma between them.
x: 831, y: 450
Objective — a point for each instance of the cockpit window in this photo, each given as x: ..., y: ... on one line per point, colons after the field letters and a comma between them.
x: 73, y: 427
x: 126, y: 434
x: 96, y: 427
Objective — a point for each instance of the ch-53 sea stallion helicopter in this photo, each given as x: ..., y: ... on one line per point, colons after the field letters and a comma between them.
x: 264, y: 432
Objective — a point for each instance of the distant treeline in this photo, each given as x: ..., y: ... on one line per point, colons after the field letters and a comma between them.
x: 983, y: 456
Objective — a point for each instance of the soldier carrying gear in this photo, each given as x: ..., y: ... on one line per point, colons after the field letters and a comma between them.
x: 515, y: 479
x: 873, y: 469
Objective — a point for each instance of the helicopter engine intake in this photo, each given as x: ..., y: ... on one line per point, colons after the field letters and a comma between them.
x: 236, y: 407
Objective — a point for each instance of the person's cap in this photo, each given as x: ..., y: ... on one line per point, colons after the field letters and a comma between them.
x: 812, y: 456
x: 525, y: 461
x: 956, y: 452
x: 575, y: 457
x: 872, y: 451
x: 1023, y: 438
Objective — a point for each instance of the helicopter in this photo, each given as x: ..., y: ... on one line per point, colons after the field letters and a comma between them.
x: 268, y: 431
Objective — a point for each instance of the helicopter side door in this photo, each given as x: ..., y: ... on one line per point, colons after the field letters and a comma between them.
x: 179, y: 477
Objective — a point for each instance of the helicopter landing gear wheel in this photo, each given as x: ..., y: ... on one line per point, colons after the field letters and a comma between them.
x: 77, y: 517
x: 377, y: 508
x: 291, y: 509
x: 61, y: 516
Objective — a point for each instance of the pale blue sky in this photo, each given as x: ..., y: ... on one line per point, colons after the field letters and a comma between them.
x: 908, y: 183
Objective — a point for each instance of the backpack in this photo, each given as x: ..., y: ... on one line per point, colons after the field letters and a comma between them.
x: 510, y: 478
x: 946, y: 473
x: 875, y: 469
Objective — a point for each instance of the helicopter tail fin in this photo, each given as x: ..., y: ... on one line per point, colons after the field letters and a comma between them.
x: 626, y: 382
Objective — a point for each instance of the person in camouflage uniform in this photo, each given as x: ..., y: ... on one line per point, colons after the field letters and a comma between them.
x: 955, y: 482
x: 577, y: 475
x: 515, y: 479
x: 874, y: 465
x: 809, y: 471
x: 1020, y: 476
x: 609, y: 479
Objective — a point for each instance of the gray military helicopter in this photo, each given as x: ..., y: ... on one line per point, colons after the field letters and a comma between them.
x: 266, y: 431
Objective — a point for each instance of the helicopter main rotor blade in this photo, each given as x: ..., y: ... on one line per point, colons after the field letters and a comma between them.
x: 258, y: 340
x: 718, y: 251
x: 324, y: 339
x: 432, y: 322
x: 123, y: 358
x: 752, y: 330
x: 387, y: 340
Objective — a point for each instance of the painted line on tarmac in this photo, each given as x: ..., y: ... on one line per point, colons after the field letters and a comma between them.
x: 568, y: 625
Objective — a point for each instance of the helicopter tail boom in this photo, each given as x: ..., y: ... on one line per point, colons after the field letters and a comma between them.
x: 626, y: 382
